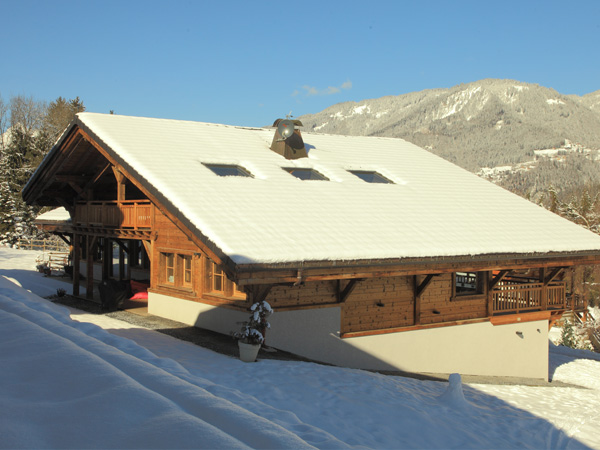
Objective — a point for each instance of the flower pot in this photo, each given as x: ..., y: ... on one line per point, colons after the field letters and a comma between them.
x: 248, y: 352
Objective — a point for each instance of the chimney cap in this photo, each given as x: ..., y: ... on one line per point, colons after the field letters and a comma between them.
x: 297, y: 123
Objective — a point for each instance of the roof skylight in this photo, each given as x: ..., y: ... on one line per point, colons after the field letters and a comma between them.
x: 370, y: 176
x: 225, y: 170
x: 306, y: 174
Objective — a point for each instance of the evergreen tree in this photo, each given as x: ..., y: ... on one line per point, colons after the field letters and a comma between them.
x: 34, y: 127
x: 567, y: 336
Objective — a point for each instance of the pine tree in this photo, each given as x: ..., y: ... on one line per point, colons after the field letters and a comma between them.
x: 34, y: 127
x: 568, y: 335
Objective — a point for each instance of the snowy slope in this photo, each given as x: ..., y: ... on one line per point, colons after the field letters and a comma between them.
x: 72, y: 384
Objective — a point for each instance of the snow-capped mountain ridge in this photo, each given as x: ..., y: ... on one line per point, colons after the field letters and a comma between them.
x: 481, y: 124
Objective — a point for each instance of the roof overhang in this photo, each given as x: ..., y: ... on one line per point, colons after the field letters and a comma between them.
x: 339, y: 270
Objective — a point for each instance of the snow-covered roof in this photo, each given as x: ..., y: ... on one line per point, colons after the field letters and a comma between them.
x: 432, y: 209
x: 55, y: 215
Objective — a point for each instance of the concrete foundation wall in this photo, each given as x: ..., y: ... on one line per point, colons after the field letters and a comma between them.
x: 515, y: 350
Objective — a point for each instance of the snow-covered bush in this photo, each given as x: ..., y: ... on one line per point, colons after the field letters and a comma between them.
x: 253, y: 330
x: 574, y: 336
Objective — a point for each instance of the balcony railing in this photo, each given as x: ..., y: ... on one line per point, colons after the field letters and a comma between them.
x: 115, y: 214
x: 515, y: 297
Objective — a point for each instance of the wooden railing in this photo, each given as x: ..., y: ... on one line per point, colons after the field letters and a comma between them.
x: 576, y: 303
x: 115, y: 214
x: 514, y: 297
x: 42, y: 244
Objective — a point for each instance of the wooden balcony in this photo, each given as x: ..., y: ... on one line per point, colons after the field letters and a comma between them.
x: 516, y: 297
x: 126, y: 214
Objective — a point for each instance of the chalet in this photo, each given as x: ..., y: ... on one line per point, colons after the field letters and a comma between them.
x: 373, y: 252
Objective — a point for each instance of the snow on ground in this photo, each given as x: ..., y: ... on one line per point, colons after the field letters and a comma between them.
x: 96, y: 382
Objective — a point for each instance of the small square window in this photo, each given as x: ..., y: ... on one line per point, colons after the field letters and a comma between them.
x: 224, y: 170
x: 468, y: 283
x: 371, y: 176
x: 306, y: 174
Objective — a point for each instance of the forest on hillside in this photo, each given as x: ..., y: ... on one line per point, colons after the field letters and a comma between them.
x: 28, y: 130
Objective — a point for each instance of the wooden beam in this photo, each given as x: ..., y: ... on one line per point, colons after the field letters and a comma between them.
x: 498, y: 278
x: 64, y: 238
x: 520, y: 318
x: 263, y: 273
x: 106, y: 259
x: 148, y: 247
x: 258, y: 292
x: 417, y: 302
x: 67, y: 178
x: 424, y: 284
x: 90, y: 244
x: 120, y: 183
x: 342, y: 296
x: 80, y: 192
x: 553, y: 275
x: 96, y: 176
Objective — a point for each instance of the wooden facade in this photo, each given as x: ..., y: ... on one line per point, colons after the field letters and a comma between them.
x: 374, y: 304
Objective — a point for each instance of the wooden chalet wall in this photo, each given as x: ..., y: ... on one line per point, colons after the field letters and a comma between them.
x: 171, y: 240
x: 379, y: 303
x: 438, y: 303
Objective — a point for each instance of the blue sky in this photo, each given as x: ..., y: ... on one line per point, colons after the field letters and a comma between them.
x: 250, y: 62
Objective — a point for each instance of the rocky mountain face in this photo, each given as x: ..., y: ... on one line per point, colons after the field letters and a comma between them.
x: 486, y: 123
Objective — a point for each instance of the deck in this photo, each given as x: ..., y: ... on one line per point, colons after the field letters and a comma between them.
x: 133, y: 214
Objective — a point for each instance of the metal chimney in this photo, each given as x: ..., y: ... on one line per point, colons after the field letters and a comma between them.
x: 287, y: 140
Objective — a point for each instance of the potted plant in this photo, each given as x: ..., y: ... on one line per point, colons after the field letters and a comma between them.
x: 252, y: 334
x: 41, y: 267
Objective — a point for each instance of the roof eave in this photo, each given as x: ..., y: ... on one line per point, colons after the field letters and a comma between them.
x: 332, y: 270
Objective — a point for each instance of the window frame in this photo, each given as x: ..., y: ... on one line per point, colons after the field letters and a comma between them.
x: 240, y: 171
x: 229, y: 290
x: 172, y: 264
x: 377, y: 178
x: 478, y: 291
x: 311, y: 171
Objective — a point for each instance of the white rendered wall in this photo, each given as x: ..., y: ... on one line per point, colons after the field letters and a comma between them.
x: 515, y: 350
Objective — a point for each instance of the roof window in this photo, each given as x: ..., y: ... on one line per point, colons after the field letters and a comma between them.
x: 371, y: 176
x: 225, y: 170
x: 305, y: 174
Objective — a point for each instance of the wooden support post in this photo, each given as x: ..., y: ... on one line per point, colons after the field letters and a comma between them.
x: 120, y: 183
x: 90, y: 244
x: 106, y: 259
x: 76, y: 261
x: 121, y: 263
x: 130, y: 245
x: 544, y: 294
x: 418, y: 290
x: 417, y: 302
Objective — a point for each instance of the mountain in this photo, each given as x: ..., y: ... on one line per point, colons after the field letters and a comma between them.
x: 485, y: 123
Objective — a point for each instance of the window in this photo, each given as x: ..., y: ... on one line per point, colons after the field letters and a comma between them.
x: 306, y: 174
x: 176, y: 270
x: 370, y: 176
x: 217, y: 278
x: 170, y: 268
x: 187, y: 270
x: 468, y: 283
x: 224, y: 170
x: 219, y: 284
